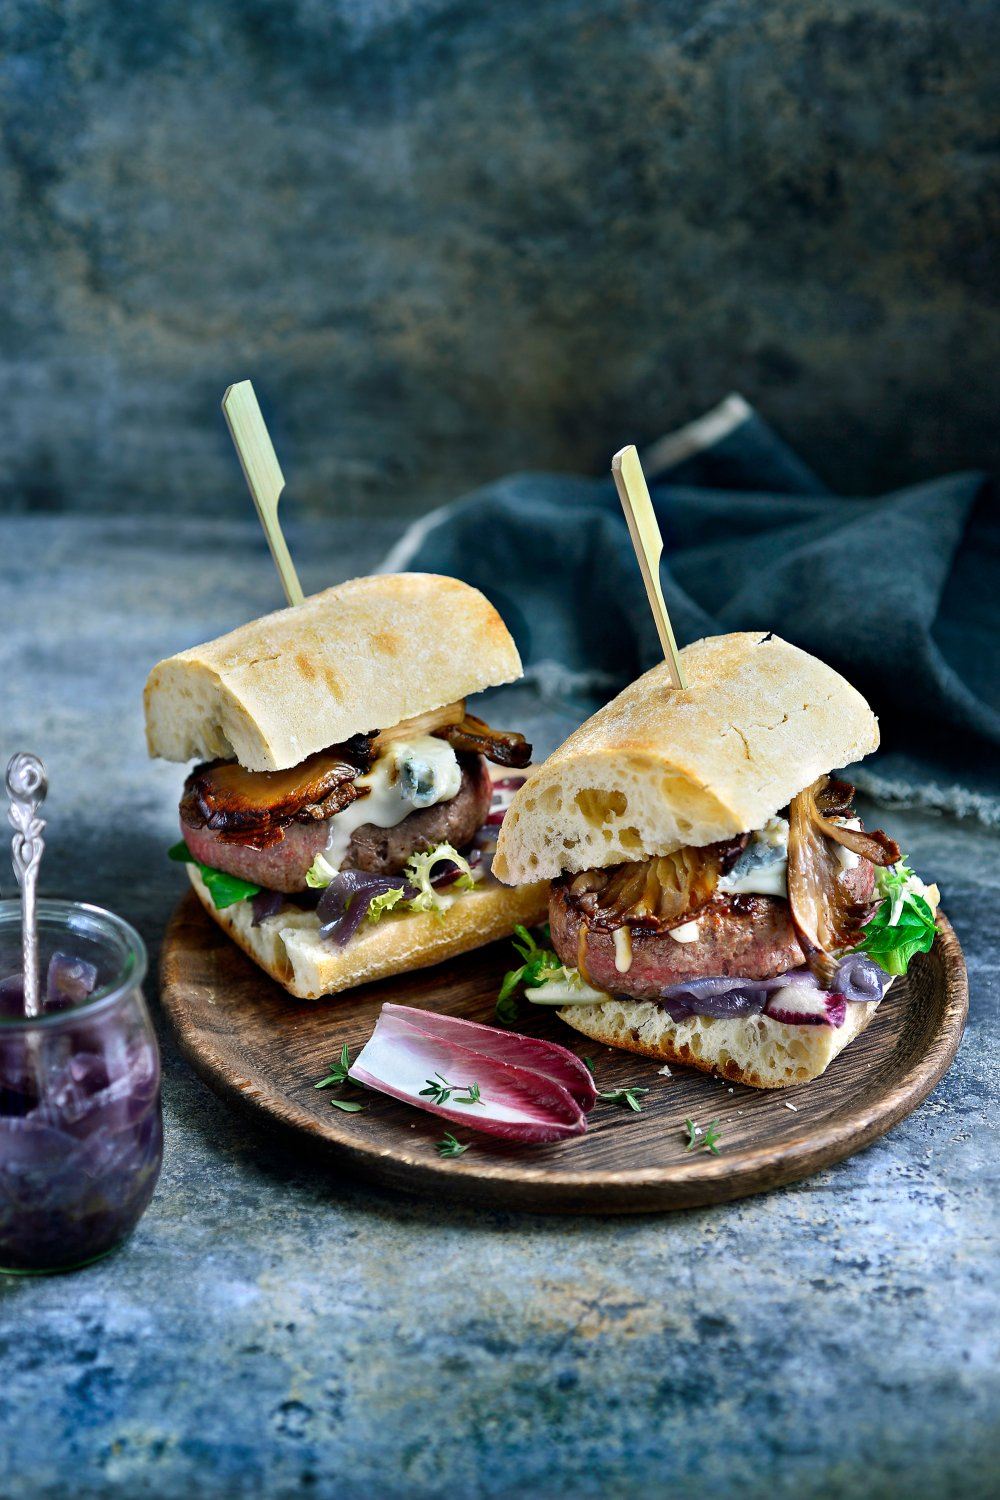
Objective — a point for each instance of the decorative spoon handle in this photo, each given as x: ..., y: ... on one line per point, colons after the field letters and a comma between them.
x: 26, y: 787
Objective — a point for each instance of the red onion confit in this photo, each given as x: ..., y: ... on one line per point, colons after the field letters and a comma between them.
x: 266, y: 904
x: 858, y: 981
x: 409, y: 1048
x: 347, y: 898
x: 68, y: 981
x: 723, y: 997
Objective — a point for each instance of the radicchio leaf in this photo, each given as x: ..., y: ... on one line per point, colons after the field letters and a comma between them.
x: 805, y: 1004
x: 547, y: 1058
x: 515, y: 1102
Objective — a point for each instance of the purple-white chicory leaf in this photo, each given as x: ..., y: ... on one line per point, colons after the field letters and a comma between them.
x: 800, y: 1004
x: 515, y: 1102
x: 548, y: 1059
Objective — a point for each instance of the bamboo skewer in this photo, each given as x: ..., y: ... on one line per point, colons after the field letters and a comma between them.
x: 263, y: 475
x: 630, y: 483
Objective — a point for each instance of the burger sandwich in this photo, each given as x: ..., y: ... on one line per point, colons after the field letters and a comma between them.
x: 715, y: 900
x: 341, y: 821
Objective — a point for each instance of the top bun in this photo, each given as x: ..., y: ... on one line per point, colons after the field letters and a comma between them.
x: 659, y: 767
x: 364, y: 655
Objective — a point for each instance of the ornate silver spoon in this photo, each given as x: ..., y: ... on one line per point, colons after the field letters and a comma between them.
x: 26, y: 787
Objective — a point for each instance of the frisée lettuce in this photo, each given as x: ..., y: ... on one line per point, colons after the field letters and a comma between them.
x: 545, y: 978
x: 416, y: 891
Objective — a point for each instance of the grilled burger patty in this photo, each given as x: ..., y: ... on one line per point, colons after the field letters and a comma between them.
x: 738, y: 935
x: 282, y: 865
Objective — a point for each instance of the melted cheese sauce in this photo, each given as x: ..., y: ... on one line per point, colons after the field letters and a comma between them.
x: 623, y: 949
x: 412, y: 774
x: 686, y: 933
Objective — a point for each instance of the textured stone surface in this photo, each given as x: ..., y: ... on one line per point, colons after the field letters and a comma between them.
x: 274, y: 1329
x: 450, y: 238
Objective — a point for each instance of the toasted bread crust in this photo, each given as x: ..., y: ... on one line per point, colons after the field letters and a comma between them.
x: 364, y: 655
x: 289, y: 948
x: 660, y: 767
x: 754, y: 1050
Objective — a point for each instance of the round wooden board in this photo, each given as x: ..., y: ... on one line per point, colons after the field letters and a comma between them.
x: 253, y: 1043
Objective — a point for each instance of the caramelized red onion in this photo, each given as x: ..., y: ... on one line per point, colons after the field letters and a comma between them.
x: 859, y: 979
x: 655, y: 894
x: 266, y: 904
x: 346, y: 900
x: 825, y: 915
x: 796, y: 997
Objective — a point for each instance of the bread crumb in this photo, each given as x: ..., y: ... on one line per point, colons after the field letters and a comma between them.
x: 794, y: 1107
x: 665, y: 1072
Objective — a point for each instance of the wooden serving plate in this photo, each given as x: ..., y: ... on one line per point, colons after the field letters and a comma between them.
x: 254, y: 1044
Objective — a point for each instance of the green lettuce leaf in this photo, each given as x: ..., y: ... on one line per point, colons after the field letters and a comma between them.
x: 539, y: 964
x: 225, y: 890
x: 319, y: 874
x: 904, y: 925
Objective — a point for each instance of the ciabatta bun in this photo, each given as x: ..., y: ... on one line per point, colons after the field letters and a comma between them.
x: 658, y: 767
x: 754, y: 1050
x: 288, y: 946
x: 364, y: 655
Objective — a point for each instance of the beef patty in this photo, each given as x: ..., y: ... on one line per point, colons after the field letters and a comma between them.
x: 738, y: 935
x: 282, y: 866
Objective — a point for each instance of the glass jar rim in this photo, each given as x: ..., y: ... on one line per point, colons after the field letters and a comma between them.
x: 133, y: 968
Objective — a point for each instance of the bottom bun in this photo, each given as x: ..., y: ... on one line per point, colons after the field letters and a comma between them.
x: 755, y: 1050
x: 288, y: 946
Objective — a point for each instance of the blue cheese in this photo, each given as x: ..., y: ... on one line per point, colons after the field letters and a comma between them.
x: 413, y: 773
x: 847, y: 857
x: 762, y: 868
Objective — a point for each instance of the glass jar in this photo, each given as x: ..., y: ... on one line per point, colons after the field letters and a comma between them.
x: 81, y: 1130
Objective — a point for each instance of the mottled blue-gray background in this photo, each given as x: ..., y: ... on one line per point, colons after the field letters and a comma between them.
x: 451, y: 238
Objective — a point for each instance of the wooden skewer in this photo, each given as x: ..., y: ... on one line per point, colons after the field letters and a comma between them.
x: 263, y: 475
x: 630, y: 483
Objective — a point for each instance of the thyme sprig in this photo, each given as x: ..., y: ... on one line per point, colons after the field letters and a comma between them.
x: 707, y: 1137
x: 337, y: 1075
x: 439, y: 1091
x: 338, y: 1078
x: 449, y: 1146
x: 627, y: 1098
